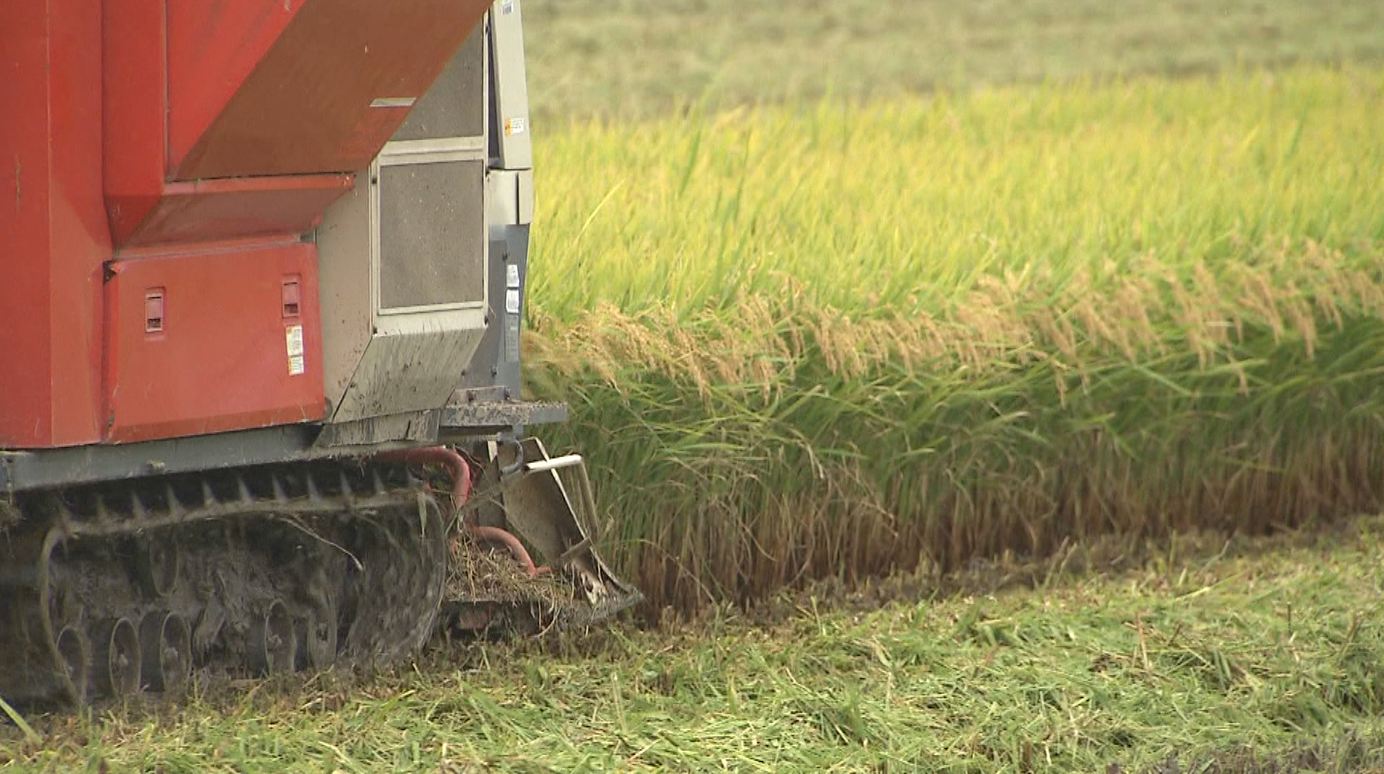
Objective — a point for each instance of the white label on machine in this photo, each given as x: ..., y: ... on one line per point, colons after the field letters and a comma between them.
x: 512, y: 301
x: 294, y: 336
x: 515, y: 125
x: 512, y: 276
x: 507, y: 7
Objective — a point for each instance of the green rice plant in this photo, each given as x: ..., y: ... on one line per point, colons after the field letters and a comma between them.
x: 839, y: 340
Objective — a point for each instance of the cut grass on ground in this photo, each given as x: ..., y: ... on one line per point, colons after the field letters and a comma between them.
x: 1239, y: 652
x: 632, y: 58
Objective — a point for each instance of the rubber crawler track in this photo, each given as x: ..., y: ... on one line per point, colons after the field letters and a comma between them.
x: 117, y: 589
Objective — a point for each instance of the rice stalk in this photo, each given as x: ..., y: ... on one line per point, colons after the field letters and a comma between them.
x: 805, y: 343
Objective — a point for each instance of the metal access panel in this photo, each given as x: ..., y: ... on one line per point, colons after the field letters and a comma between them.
x: 211, y: 341
x: 432, y: 234
x: 404, y: 262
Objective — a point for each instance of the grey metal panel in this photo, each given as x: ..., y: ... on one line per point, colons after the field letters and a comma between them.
x: 343, y: 248
x: 496, y: 364
x: 511, y: 85
x: 88, y: 464
x: 417, y: 427
x: 510, y: 199
x: 525, y: 196
x: 516, y: 257
x: 454, y: 105
x: 24, y: 471
x: 503, y: 200
x: 432, y: 232
x: 492, y: 367
x: 384, y: 365
x: 502, y: 414
x: 413, y: 367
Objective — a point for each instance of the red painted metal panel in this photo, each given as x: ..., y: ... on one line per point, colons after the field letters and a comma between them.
x: 135, y: 80
x: 81, y: 239
x: 305, y: 105
x: 221, y: 357
x: 213, y: 48
x: 239, y: 207
x: 53, y: 223
x: 25, y: 415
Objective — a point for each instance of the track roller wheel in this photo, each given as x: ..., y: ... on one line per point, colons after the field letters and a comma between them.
x: 158, y: 562
x: 273, y: 644
x: 167, y: 646
x: 74, y: 652
x: 117, y: 658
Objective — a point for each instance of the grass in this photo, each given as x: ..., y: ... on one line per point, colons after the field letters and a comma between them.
x: 634, y: 59
x: 1149, y: 657
x: 19, y: 723
x: 840, y: 340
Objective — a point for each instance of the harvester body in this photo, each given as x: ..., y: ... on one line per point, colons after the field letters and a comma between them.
x: 264, y: 262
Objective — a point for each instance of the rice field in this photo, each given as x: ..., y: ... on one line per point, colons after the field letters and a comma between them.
x: 969, y: 390
x: 836, y: 340
x: 634, y: 59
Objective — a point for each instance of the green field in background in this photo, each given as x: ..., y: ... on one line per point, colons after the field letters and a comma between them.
x: 630, y: 58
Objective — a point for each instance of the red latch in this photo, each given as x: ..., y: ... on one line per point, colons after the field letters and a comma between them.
x: 292, y: 299
x: 153, y: 311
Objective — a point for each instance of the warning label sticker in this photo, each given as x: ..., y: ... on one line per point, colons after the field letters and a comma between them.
x: 294, y: 336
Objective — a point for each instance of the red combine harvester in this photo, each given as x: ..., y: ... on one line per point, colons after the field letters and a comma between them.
x: 263, y: 276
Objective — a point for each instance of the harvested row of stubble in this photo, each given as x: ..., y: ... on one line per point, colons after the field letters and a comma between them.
x: 844, y: 342
x: 1198, y: 655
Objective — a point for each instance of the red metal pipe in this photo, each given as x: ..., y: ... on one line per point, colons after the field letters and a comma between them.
x: 460, y: 471
x: 447, y: 458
